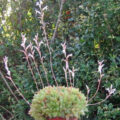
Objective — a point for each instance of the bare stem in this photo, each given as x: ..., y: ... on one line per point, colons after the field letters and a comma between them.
x: 2, y: 117
x: 6, y: 110
x: 58, y: 20
x: 46, y: 39
x: 30, y: 68
x: 52, y: 66
x: 38, y: 72
x: 65, y: 71
x: 73, y: 82
x: 100, y: 101
x: 32, y: 74
x: 8, y: 86
x: 99, y: 82
x: 43, y: 66
x: 10, y: 78
x: 70, y: 78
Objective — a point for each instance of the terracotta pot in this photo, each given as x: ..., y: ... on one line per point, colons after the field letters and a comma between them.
x: 59, y: 118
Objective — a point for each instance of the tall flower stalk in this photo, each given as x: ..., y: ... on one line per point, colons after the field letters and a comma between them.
x: 10, y: 78
x: 40, y: 12
x: 32, y: 56
x: 25, y: 51
x: 110, y: 90
x: 37, y: 47
x: 66, y: 69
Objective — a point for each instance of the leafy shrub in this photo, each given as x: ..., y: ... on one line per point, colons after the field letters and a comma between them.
x: 53, y: 102
x: 91, y: 30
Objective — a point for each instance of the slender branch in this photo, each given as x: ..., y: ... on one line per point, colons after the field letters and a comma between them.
x: 4, y: 79
x: 65, y: 71
x: 31, y: 55
x: 2, y: 117
x: 6, y: 110
x: 99, y: 82
x: 73, y: 82
x: 10, y: 78
x: 29, y: 66
x: 52, y: 66
x: 46, y: 39
x: 38, y: 73
x: 100, y: 101
x: 58, y: 21
x: 37, y: 47
x: 70, y: 78
x: 32, y: 74
x: 25, y: 51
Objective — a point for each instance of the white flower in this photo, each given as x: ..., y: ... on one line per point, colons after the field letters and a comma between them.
x: 100, y: 66
x: 5, y: 59
x: 40, y: 43
x: 30, y: 55
x: 110, y: 90
x: 73, y: 72
x: 23, y: 40
x: 88, y: 89
x: 37, y: 12
x: 64, y: 49
x: 39, y: 3
x: 70, y: 55
x: 45, y: 8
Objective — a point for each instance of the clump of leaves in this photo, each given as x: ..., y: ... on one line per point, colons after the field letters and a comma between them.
x: 51, y: 102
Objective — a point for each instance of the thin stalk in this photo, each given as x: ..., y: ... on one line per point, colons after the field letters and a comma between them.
x: 73, y: 82
x: 70, y: 78
x: 36, y: 66
x: 65, y: 71
x: 58, y: 21
x: 4, y: 79
x: 30, y: 68
x: 52, y: 66
x: 2, y: 117
x: 99, y: 83
x: 45, y: 34
x: 6, y: 110
x: 43, y: 66
x: 10, y: 78
x: 100, y: 101
x: 96, y: 91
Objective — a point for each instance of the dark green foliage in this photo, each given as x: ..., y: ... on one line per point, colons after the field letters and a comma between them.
x: 92, y: 33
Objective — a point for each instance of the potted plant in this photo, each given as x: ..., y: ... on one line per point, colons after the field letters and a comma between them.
x: 58, y: 103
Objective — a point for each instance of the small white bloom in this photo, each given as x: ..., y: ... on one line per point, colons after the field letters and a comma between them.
x: 37, y: 12
x: 100, y: 66
x: 88, y: 89
x: 45, y: 8
x: 23, y: 40
x: 30, y: 55
x: 5, y: 59
x: 40, y: 43
x: 41, y: 2
x: 37, y: 3
x: 67, y: 65
x: 110, y: 90
x: 73, y: 72
x: 70, y: 55
x: 64, y: 48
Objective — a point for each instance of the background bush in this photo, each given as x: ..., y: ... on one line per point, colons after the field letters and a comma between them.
x: 92, y: 32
